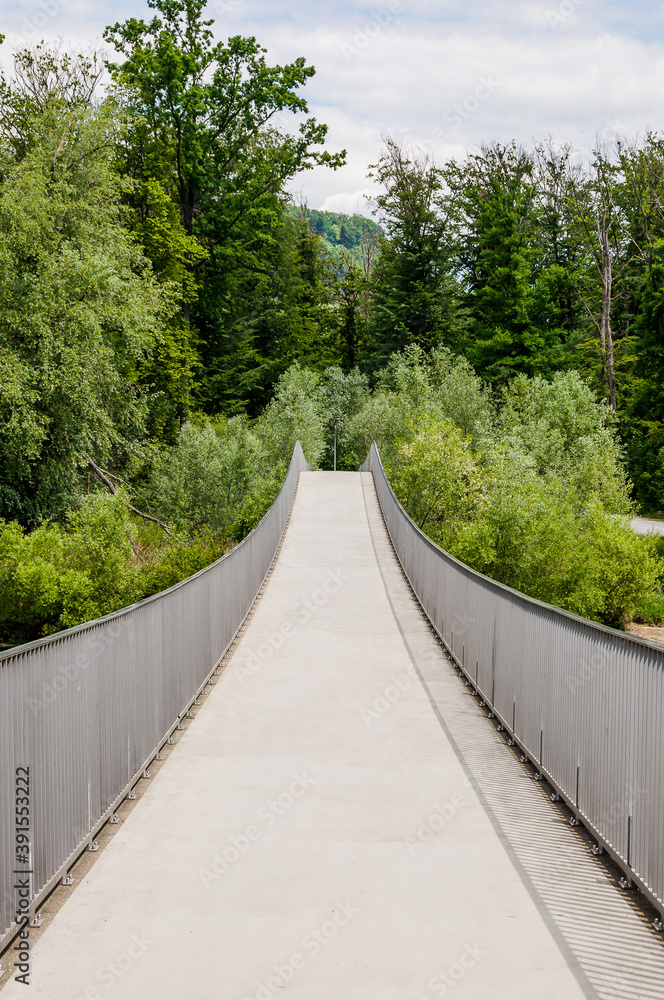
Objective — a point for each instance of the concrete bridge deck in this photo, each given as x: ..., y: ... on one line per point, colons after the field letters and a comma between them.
x: 340, y: 822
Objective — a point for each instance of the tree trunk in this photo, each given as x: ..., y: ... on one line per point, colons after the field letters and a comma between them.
x: 606, y: 334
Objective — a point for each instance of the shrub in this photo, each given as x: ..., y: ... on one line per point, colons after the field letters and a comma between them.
x: 439, y: 480
x: 53, y: 578
x: 383, y: 419
x: 255, y: 507
x: 568, y: 434
x: 294, y: 413
x: 202, y: 481
x: 541, y: 535
x: 460, y: 395
x: 180, y: 559
x: 650, y: 611
x: 342, y: 398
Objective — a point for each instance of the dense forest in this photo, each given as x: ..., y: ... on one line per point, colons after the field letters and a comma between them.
x: 170, y: 324
x: 346, y: 238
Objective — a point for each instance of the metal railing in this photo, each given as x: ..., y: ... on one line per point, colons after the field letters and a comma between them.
x: 84, y: 712
x: 585, y: 703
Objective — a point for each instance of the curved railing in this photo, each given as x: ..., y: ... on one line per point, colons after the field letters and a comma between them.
x: 584, y: 702
x: 83, y: 713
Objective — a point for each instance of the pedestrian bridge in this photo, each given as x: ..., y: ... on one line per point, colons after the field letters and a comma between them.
x: 356, y: 804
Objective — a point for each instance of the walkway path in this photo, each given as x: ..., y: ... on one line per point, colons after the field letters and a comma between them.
x: 647, y: 525
x: 340, y: 822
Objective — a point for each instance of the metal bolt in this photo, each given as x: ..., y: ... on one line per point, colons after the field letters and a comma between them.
x: 94, y: 847
x: 115, y: 819
x: 159, y: 756
x: 37, y: 920
x: 68, y: 880
x: 132, y: 795
x: 147, y: 774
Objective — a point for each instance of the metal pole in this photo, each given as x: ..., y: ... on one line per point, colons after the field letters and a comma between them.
x: 335, y: 446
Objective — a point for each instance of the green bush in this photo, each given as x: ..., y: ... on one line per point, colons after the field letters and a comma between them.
x: 342, y: 397
x: 295, y: 413
x: 651, y: 610
x: 53, y: 578
x: 201, y: 482
x: 179, y: 559
x: 383, y: 419
x: 569, y: 435
x: 256, y: 505
x: 439, y: 480
x: 544, y: 536
x: 413, y: 388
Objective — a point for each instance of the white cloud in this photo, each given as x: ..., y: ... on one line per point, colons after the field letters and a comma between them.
x: 356, y: 203
x: 447, y: 73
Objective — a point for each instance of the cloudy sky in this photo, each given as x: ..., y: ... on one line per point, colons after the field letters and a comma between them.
x: 442, y: 74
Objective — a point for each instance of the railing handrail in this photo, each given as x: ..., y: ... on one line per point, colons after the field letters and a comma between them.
x: 583, y: 702
x: 87, y: 709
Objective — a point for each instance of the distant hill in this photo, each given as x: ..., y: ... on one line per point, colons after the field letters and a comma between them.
x: 341, y: 232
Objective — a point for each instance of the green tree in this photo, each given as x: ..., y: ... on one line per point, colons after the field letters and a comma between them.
x: 495, y: 213
x: 557, y: 305
x: 413, y: 299
x: 79, y: 309
x: 169, y: 371
x: 343, y: 395
x: 202, y: 481
x: 439, y: 480
x: 352, y: 292
x: 53, y: 577
x: 209, y: 138
x: 641, y: 315
x: 295, y: 413
x: 599, y: 226
x: 569, y: 435
x: 545, y: 533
